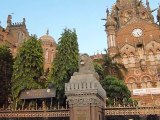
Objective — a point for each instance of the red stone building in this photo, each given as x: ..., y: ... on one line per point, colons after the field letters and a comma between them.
x: 13, y: 36
x: 16, y: 33
x: 49, y: 49
x: 132, y: 32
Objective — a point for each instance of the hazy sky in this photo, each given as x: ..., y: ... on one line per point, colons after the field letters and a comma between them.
x: 83, y: 15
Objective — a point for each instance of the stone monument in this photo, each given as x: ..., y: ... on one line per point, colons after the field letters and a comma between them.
x: 85, y: 95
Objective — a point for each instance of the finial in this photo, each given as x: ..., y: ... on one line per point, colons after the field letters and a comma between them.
x: 147, y: 4
x: 158, y: 16
x: 9, y: 20
x: 47, y: 33
x: 107, y: 11
x: 140, y: 3
x: 24, y: 20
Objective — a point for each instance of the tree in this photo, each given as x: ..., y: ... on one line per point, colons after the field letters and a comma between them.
x: 112, y: 67
x: 99, y: 69
x: 116, y: 90
x: 65, y: 62
x: 108, y: 65
x: 6, y: 64
x: 28, y: 67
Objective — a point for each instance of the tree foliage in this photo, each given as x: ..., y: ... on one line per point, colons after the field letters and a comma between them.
x: 109, y: 66
x: 28, y: 67
x: 116, y: 90
x: 65, y: 62
x: 112, y: 67
x: 6, y: 64
x: 99, y: 69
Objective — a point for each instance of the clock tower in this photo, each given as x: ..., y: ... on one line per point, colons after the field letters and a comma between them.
x: 132, y: 32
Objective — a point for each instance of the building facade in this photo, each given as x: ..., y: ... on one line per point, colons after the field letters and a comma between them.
x: 13, y: 36
x: 132, y: 32
x: 16, y: 33
x: 49, y: 50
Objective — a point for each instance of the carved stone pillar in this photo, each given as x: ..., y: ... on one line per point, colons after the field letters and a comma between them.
x: 86, y: 97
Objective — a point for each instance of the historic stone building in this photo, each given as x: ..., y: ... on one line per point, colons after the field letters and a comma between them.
x: 49, y: 49
x: 132, y: 32
x: 16, y: 33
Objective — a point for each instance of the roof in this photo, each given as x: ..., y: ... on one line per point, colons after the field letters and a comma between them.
x: 47, y: 39
x: 38, y: 93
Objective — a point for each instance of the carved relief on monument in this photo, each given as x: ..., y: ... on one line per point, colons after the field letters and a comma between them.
x: 152, y: 45
x: 131, y: 83
x: 146, y: 81
x: 152, y: 71
x: 131, y: 58
x: 85, y: 101
x: 125, y: 59
x: 157, y: 102
x: 143, y: 65
x: 127, y: 49
x: 127, y: 16
x: 158, y: 55
x: 85, y: 64
x: 151, y: 56
x: 140, y: 51
x: 137, y: 72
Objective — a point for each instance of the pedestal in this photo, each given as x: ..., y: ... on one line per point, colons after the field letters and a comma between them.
x: 86, y: 97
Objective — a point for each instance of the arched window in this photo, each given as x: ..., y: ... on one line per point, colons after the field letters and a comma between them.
x: 46, y: 55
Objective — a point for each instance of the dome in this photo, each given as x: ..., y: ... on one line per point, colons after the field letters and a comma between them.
x: 47, y: 39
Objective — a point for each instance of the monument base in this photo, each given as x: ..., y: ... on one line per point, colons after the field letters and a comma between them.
x: 86, y: 113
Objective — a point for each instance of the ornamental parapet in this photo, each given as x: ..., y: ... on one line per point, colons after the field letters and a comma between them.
x: 85, y: 84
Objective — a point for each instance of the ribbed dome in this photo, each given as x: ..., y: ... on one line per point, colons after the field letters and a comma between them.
x: 47, y: 39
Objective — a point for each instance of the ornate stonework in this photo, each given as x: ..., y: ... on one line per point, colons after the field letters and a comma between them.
x: 137, y: 38
x: 85, y: 92
x: 16, y: 33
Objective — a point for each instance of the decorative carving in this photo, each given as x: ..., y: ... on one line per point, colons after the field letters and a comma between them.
x: 137, y: 72
x: 85, y: 64
x: 85, y: 101
x: 143, y: 64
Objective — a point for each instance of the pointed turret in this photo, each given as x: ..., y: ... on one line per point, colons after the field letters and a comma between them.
x: 158, y: 16
x: 147, y: 4
x: 107, y: 11
x: 47, y: 33
x: 110, y: 22
x: 9, y: 20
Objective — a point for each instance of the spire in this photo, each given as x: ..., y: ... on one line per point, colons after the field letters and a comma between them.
x: 147, y: 4
x: 107, y: 11
x: 47, y: 33
x: 9, y: 20
x: 158, y: 16
x: 24, y: 21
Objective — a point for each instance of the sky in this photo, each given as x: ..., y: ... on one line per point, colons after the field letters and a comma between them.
x: 56, y: 15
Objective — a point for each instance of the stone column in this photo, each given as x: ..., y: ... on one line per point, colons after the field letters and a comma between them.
x: 86, y: 97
